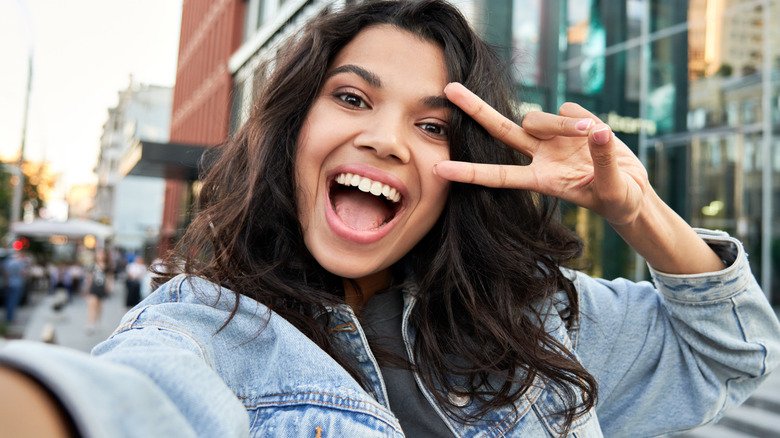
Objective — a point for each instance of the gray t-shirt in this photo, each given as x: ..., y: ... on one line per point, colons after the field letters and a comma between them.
x: 383, y: 316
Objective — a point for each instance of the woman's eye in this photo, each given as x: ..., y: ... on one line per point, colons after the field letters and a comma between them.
x: 432, y: 128
x: 353, y: 100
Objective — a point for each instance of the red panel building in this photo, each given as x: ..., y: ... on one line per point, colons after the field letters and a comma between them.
x: 216, y: 65
x: 211, y: 31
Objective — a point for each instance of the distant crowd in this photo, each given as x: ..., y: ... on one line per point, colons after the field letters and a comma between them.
x: 92, y: 275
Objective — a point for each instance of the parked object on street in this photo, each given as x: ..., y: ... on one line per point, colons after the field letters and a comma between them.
x: 135, y: 271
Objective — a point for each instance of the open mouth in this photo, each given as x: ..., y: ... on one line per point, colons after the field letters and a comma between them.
x: 362, y: 203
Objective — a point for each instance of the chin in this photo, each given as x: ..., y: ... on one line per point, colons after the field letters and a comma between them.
x: 353, y: 271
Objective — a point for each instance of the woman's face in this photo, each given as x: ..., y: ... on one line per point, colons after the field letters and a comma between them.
x: 367, y: 193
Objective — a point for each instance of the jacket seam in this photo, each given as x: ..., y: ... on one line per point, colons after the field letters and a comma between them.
x: 312, y: 401
x: 165, y: 325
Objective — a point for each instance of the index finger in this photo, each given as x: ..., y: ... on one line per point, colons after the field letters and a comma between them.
x: 545, y: 125
x: 494, y: 122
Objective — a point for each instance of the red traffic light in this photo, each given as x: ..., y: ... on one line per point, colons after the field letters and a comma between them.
x: 20, y: 244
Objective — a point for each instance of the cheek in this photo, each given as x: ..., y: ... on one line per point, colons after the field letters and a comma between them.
x: 436, y: 184
x: 442, y: 194
x: 437, y: 191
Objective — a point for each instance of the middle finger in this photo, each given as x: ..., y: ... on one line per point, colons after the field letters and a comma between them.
x: 494, y: 122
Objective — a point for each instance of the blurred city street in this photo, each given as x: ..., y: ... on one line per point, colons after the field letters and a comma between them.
x: 39, y: 321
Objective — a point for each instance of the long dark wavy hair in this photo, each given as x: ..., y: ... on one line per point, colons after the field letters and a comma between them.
x: 493, y: 256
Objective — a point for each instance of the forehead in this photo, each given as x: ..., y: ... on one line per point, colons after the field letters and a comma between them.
x: 394, y: 53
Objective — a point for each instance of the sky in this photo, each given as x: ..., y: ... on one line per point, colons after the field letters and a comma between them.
x: 84, y: 52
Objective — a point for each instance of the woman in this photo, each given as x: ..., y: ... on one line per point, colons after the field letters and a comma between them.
x: 360, y: 268
x: 134, y: 274
x: 99, y: 283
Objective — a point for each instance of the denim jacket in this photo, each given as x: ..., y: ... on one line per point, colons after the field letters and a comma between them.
x: 665, y: 359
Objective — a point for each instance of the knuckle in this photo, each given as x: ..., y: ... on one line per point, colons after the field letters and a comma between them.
x: 472, y: 174
x: 477, y: 109
x: 502, y: 175
x: 504, y: 129
x: 563, y: 124
x: 603, y: 160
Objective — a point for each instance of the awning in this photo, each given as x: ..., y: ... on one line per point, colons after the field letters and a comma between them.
x: 163, y: 160
x: 72, y: 228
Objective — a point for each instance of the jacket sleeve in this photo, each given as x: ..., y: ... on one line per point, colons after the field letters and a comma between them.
x: 146, y: 382
x: 675, y: 356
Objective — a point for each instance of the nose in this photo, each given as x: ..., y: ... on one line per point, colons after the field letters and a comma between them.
x: 387, y: 135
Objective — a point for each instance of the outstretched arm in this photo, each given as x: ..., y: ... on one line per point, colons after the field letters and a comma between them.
x: 27, y: 409
x: 575, y: 157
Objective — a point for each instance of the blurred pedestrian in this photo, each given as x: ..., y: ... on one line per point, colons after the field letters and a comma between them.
x: 98, y: 281
x: 54, y: 276
x: 75, y: 278
x: 14, y: 272
x: 134, y: 274
x: 37, y: 276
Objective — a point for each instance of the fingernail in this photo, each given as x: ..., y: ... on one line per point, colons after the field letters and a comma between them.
x: 434, y: 169
x: 583, y: 124
x: 602, y: 135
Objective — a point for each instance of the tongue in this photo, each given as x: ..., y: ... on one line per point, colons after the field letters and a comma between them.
x: 360, y: 211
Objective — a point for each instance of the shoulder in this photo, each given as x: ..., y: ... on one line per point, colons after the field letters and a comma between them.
x: 186, y: 288
x: 193, y: 302
x: 206, y: 316
x: 260, y: 356
x: 193, y: 315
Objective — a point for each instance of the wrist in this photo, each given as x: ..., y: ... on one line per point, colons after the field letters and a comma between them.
x: 666, y: 241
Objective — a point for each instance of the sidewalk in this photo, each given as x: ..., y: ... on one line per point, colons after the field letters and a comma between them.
x: 68, y: 326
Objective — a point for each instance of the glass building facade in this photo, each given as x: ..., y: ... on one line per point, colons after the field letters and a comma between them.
x: 690, y: 86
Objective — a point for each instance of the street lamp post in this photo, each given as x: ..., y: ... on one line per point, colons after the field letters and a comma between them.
x: 16, y: 204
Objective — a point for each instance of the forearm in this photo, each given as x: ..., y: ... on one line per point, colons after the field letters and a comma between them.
x: 667, y: 242
x: 27, y: 408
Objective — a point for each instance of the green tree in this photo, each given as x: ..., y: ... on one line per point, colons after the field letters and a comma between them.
x: 36, y: 183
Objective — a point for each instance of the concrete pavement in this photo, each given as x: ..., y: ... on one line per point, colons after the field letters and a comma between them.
x: 68, y: 326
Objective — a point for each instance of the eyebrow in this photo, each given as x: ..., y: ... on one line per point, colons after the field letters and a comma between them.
x: 367, y: 76
x: 373, y: 80
x: 437, y: 102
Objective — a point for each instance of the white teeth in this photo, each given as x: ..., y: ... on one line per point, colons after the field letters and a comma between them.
x: 376, y: 188
x: 367, y: 185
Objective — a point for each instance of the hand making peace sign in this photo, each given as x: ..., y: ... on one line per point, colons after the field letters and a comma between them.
x: 574, y: 156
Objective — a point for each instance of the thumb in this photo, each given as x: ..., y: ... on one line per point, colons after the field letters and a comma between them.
x: 606, y: 171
